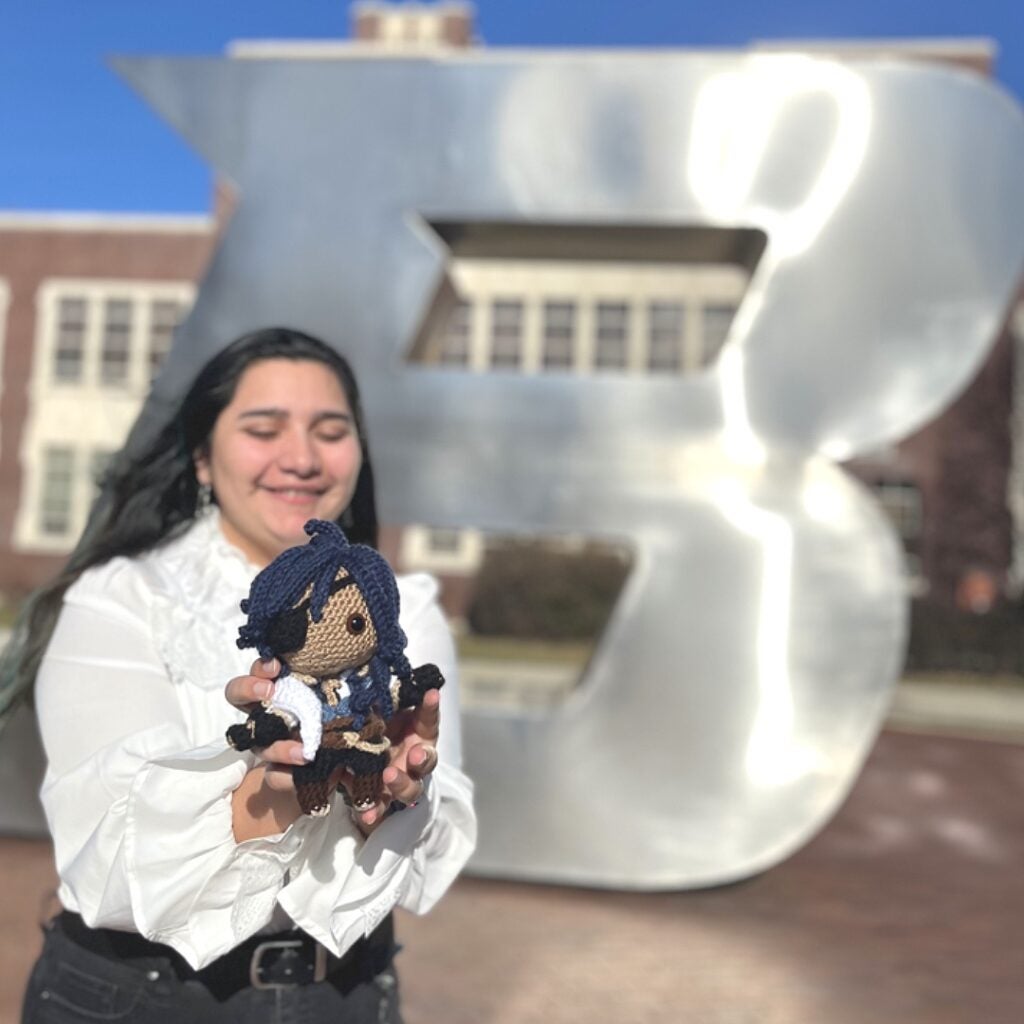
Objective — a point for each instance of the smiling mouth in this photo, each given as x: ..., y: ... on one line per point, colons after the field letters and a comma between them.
x: 296, y: 494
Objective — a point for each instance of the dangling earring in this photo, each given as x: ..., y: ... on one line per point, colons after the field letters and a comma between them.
x: 204, y: 498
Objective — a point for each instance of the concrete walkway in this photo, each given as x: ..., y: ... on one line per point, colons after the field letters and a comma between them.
x: 963, y: 709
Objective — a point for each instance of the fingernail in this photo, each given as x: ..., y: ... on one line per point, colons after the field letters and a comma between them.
x: 390, y: 776
x: 269, y: 665
x: 264, y: 689
x: 297, y: 756
x: 428, y: 752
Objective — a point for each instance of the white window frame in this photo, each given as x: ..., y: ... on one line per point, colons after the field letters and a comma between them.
x: 96, y: 292
x: 459, y: 328
x: 412, y: 26
x: 82, y: 325
x: 551, y: 331
x: 656, y: 333
x: 511, y: 328
x: 605, y: 331
x: 87, y: 415
x: 123, y: 333
x: 155, y: 300
x: 417, y: 553
x: 482, y: 281
x: 67, y: 496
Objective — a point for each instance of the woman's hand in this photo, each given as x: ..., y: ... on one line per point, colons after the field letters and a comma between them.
x: 247, y: 693
x: 413, y: 733
x: 265, y: 803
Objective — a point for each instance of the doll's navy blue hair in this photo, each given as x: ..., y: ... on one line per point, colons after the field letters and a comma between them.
x: 281, y: 584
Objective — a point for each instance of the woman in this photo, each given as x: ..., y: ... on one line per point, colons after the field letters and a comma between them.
x: 193, y: 887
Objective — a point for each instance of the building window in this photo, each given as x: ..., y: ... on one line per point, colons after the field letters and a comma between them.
x: 441, y: 550
x: 559, y: 335
x: 71, y: 324
x: 58, y: 480
x: 716, y: 319
x: 612, y: 334
x: 443, y: 542
x: 664, y: 337
x: 410, y: 27
x: 163, y: 319
x: 455, y: 342
x: 115, y: 353
x: 506, y: 333
x: 902, y: 503
x: 115, y: 334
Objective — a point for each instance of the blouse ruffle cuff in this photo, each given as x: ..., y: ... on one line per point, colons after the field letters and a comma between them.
x: 342, y: 886
x: 193, y: 887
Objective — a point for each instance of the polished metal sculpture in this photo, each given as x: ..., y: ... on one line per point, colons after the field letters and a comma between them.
x: 752, y: 655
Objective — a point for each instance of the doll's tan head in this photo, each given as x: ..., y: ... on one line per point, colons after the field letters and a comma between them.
x: 344, y: 638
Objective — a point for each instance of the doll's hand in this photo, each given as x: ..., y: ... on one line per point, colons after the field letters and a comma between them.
x: 413, y: 733
x: 247, y: 693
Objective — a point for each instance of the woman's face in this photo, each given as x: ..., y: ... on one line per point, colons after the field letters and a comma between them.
x: 283, y: 451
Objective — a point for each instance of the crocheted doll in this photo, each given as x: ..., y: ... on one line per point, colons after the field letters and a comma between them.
x: 328, y: 611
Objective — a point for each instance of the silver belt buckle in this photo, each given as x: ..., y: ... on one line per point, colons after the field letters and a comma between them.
x: 264, y: 947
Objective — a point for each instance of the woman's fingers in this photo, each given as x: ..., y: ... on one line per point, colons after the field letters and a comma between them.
x: 367, y: 821
x: 245, y: 691
x: 398, y: 786
x: 285, y: 752
x: 422, y: 761
x: 268, y: 669
x: 258, y: 686
x: 278, y: 777
x: 427, y: 717
x: 407, y: 786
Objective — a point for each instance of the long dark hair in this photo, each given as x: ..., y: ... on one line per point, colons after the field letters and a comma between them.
x: 150, y: 493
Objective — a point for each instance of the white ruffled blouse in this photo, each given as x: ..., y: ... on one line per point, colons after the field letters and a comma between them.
x: 131, y: 706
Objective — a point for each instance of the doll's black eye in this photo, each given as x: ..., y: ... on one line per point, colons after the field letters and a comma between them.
x: 355, y: 624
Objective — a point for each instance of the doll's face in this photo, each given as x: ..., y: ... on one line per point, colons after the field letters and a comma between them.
x: 343, y: 639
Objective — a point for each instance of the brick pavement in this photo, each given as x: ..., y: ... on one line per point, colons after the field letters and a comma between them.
x: 905, y: 909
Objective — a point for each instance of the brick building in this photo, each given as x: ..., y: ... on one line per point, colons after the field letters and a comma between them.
x: 89, y: 304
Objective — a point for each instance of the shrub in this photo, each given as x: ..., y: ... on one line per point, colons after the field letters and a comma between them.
x: 944, y: 638
x: 528, y: 588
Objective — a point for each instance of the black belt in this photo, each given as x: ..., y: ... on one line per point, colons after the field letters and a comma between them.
x: 280, y: 960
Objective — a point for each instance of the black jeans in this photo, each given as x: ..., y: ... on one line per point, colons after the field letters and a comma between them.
x: 72, y: 985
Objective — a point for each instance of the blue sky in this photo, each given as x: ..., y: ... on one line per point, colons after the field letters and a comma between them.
x: 76, y: 138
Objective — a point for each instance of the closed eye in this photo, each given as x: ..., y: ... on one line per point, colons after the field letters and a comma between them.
x: 332, y: 436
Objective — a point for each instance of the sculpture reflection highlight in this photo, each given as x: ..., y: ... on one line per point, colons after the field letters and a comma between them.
x: 735, y: 117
